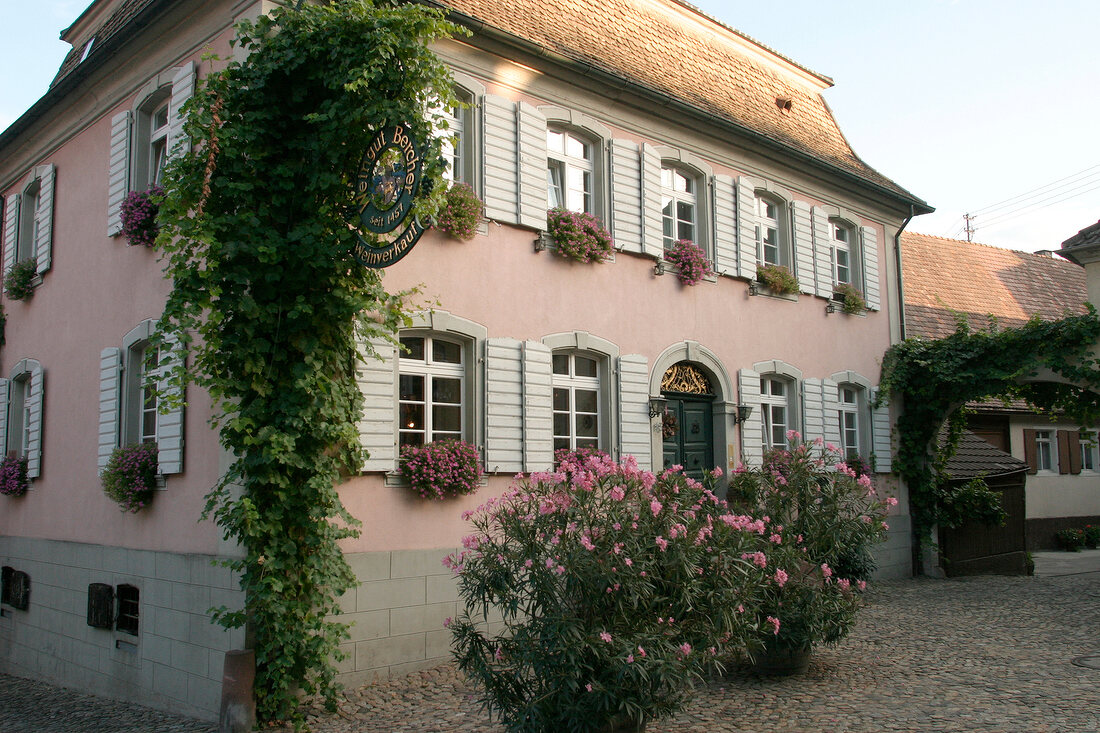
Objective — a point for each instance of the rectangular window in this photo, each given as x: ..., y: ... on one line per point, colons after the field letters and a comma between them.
x: 576, y: 383
x: 849, y: 422
x: 128, y: 609
x: 569, y: 172
x: 678, y: 206
x: 1088, y: 450
x: 1044, y: 450
x: 774, y: 405
x: 772, y: 246
x: 431, y: 389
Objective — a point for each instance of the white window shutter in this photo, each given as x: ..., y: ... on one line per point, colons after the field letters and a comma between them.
x: 871, y: 286
x: 5, y: 391
x: 118, y: 170
x: 503, y: 405
x: 653, y: 233
x: 183, y: 86
x: 43, y: 245
x: 36, y: 386
x: 725, y: 225
x: 500, y: 160
x: 538, y: 413
x: 831, y: 402
x: 378, y: 384
x: 110, y: 398
x: 802, y: 234
x: 880, y: 436
x: 635, y: 426
x: 627, y: 204
x: 823, y: 252
x: 748, y: 229
x: 533, y: 200
x: 11, y: 231
x: 813, y: 409
x: 170, y: 422
x: 752, y: 430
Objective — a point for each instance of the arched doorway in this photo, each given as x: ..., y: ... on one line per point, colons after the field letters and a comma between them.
x: 687, y: 425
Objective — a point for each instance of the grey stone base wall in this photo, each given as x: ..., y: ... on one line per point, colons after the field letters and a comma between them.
x: 396, y: 614
x: 895, y: 555
x: 174, y: 662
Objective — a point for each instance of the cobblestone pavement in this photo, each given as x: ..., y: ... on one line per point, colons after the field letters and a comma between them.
x: 977, y: 654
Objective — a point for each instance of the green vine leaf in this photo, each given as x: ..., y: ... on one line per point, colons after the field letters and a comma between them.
x: 934, y: 380
x: 272, y: 308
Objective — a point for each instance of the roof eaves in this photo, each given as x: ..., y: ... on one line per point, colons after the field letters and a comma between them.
x: 101, y: 52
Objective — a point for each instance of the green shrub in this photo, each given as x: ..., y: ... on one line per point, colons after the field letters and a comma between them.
x: 778, y: 279
x: 1070, y: 540
x: 618, y: 589
x: 130, y: 476
x: 461, y: 212
x: 19, y: 284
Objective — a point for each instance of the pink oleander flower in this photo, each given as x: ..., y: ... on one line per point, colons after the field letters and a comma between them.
x: 775, y: 624
x: 826, y: 570
x: 629, y: 658
x: 655, y: 507
x: 780, y: 577
x: 685, y: 648
x: 662, y: 543
x: 605, y: 636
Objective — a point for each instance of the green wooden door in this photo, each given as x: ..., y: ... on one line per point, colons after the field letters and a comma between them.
x: 692, y: 443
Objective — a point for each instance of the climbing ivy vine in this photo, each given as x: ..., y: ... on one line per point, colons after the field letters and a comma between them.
x: 268, y: 300
x: 934, y: 379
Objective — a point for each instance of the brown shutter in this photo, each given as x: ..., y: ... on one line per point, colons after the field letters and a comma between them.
x: 1074, y: 440
x: 1029, y: 451
x: 1064, y: 452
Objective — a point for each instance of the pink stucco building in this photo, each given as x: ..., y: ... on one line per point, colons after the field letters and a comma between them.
x: 671, y: 126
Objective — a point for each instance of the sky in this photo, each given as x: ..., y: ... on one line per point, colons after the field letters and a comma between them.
x: 982, y: 107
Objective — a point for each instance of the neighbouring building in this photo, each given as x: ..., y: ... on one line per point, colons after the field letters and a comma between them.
x: 656, y: 118
x: 948, y: 279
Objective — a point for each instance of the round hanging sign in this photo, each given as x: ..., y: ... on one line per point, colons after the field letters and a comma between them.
x: 388, y: 179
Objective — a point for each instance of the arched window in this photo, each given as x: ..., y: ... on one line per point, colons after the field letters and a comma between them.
x: 570, y: 170
x: 846, y: 254
x: 431, y: 389
x: 578, y: 398
x: 680, y: 199
x: 776, y: 410
x: 773, y: 236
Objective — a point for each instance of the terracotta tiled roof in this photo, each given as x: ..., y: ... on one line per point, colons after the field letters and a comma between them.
x: 943, y: 276
x: 975, y: 457
x: 123, y: 14
x: 649, y: 42
x: 666, y: 46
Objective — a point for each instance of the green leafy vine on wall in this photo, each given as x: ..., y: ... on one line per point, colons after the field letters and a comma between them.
x: 934, y: 379
x: 270, y: 303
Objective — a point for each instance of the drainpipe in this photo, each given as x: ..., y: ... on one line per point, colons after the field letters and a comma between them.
x: 897, y: 262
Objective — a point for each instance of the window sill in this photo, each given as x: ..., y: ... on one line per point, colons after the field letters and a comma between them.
x: 663, y: 267
x: 758, y: 288
x: 394, y: 480
x: 545, y: 243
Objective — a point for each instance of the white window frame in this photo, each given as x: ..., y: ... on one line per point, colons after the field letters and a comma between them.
x: 779, y: 224
x: 19, y: 419
x: 428, y: 369
x: 141, y: 373
x: 1090, y: 460
x: 564, y: 164
x: 672, y: 197
x: 850, y: 249
x: 1046, y: 440
x: 26, y: 238
x: 770, y: 403
x: 458, y: 137
x: 570, y: 383
x: 150, y: 144
x: 851, y: 401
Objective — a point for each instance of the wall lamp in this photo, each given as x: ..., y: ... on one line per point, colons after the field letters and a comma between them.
x: 656, y: 406
x: 741, y: 414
